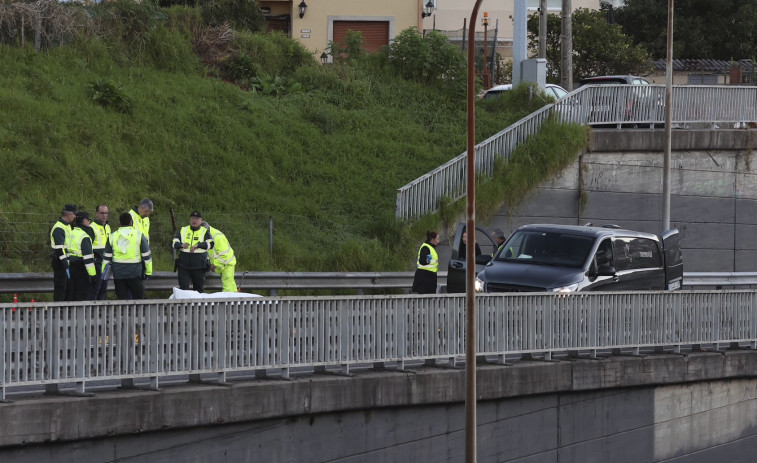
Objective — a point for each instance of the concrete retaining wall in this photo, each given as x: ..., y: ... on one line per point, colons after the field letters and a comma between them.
x: 619, y: 180
x: 700, y: 407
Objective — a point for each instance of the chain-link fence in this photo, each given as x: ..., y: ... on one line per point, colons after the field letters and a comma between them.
x: 261, y: 240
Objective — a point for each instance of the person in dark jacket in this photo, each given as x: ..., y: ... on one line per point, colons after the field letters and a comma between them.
x: 129, y: 251
x: 81, y: 258
x: 59, y: 257
x: 101, y: 230
x: 193, y: 242
x: 464, y: 244
x: 427, y: 265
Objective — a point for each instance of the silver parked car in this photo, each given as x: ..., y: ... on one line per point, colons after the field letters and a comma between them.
x: 550, y: 89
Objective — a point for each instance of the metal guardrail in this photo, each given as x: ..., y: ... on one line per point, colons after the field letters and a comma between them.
x: 612, y: 105
x: 20, y: 283
x: 73, y: 343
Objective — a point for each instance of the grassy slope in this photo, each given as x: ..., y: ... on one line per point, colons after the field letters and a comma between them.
x: 324, y: 164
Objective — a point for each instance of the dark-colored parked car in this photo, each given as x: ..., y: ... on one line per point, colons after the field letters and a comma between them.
x: 566, y: 258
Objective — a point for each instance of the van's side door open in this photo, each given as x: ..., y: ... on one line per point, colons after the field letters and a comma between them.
x: 671, y: 243
x: 456, y: 269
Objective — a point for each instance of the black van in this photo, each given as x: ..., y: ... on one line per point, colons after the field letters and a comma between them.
x: 565, y: 258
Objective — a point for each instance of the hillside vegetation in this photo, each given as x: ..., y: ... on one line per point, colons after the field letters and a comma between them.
x: 162, y: 103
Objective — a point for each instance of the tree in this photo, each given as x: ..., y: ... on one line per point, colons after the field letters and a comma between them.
x: 599, y: 48
x: 712, y: 29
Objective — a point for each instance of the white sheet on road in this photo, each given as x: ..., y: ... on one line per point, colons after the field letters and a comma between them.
x: 191, y: 294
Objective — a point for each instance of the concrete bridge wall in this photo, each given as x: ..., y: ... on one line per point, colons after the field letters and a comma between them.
x: 700, y: 407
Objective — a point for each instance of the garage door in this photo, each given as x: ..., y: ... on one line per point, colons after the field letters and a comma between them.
x: 375, y: 33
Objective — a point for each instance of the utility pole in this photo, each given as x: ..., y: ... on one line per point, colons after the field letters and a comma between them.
x: 566, y: 48
x: 543, y: 29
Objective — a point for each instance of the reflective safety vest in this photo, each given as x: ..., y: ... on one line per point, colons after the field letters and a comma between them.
x: 141, y: 223
x: 126, y: 243
x: 102, y: 232
x: 432, y: 266
x: 66, y: 231
x: 221, y: 255
x: 79, y: 247
x: 193, y: 238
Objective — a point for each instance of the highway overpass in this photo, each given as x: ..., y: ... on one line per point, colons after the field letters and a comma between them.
x: 661, y: 376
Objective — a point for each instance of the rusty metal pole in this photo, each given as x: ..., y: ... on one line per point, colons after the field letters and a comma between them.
x: 470, y: 257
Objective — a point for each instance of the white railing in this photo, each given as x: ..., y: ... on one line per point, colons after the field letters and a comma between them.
x: 64, y: 343
x: 606, y: 105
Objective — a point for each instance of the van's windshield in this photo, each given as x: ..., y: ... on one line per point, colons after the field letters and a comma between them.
x: 546, y: 248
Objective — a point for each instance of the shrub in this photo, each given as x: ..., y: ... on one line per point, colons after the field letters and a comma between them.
x: 273, y: 54
x: 108, y: 95
x: 239, y: 14
x: 126, y: 23
x: 429, y: 60
x: 350, y: 50
x: 169, y: 50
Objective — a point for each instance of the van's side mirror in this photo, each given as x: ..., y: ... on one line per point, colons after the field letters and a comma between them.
x: 606, y: 270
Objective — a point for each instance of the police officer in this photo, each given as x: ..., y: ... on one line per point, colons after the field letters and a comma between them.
x: 102, y: 232
x: 424, y: 280
x: 59, y: 258
x: 222, y: 259
x: 193, y: 242
x: 129, y: 251
x: 499, y: 238
x: 140, y: 215
x: 81, y: 258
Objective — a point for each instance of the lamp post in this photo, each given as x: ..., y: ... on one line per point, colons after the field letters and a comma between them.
x: 470, y: 262
x: 668, y: 123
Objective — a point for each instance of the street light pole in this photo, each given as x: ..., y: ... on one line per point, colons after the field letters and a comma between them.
x: 668, y: 123
x: 470, y: 262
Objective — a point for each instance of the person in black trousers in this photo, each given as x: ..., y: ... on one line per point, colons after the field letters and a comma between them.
x: 193, y: 243
x: 427, y: 265
x: 59, y: 257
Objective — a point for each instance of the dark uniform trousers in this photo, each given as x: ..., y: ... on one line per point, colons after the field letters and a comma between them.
x: 129, y: 288
x: 60, y: 280
x: 196, y: 276
x: 79, y: 282
x: 99, y: 289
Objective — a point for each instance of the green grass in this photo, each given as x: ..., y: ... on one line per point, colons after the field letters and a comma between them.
x: 322, y: 163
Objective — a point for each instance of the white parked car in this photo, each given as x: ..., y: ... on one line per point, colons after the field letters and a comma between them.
x: 550, y: 89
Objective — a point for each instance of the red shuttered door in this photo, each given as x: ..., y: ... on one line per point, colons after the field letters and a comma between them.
x: 375, y: 33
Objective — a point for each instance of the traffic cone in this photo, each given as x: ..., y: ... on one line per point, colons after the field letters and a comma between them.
x: 31, y: 307
x: 15, y: 301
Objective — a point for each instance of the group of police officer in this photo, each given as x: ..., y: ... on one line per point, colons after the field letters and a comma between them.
x: 85, y: 254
